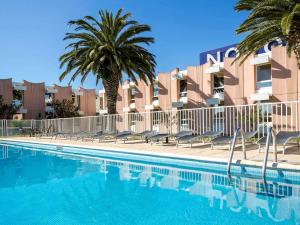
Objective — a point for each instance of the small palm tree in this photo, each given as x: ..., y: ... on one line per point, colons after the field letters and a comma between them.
x: 269, y: 20
x: 108, y: 48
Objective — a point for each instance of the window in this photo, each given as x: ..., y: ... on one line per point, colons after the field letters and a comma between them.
x: 18, y: 97
x: 183, y: 88
x: 155, y: 92
x: 132, y: 95
x: 218, y: 84
x: 218, y: 81
x: 263, y: 76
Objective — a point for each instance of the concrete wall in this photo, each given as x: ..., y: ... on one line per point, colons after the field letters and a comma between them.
x: 6, y: 90
x: 88, y: 102
x: 233, y: 82
x: 285, y: 87
x: 284, y: 75
x: 34, y: 100
x: 164, y: 92
x: 63, y: 93
x: 140, y: 96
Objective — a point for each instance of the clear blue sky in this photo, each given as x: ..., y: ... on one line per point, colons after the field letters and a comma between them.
x: 32, y: 32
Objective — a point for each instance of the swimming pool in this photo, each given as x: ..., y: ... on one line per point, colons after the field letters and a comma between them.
x: 45, y: 184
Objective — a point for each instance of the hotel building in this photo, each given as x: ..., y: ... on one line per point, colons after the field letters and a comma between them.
x: 269, y: 75
x: 36, y: 99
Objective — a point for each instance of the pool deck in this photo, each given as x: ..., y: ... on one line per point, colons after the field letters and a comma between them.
x: 291, y: 159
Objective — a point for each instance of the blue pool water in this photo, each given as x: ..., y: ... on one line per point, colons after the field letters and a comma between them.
x: 49, y: 185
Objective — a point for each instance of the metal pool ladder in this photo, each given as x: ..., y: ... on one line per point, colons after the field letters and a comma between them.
x: 232, y: 147
x: 267, y: 148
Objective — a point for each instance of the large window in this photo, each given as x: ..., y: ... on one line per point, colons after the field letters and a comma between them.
x: 183, y: 88
x: 218, y: 84
x: 18, y: 97
x: 155, y: 91
x: 263, y: 76
x: 132, y: 95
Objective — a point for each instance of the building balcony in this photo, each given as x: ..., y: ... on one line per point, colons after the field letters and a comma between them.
x: 130, y: 85
x: 215, y: 68
x: 132, y: 106
x: 263, y: 92
x: 19, y: 86
x: 219, y: 93
x: 218, y: 96
x: 181, y: 75
x: 51, y: 90
x: 154, y: 105
x: 261, y: 59
x: 48, y: 100
x: 101, y: 91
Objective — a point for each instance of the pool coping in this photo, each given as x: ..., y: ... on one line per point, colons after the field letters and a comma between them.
x: 241, y: 162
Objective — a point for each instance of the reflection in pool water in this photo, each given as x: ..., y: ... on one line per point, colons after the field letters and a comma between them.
x: 44, y: 187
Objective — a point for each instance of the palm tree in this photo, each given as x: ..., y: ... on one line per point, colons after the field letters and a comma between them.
x: 108, y: 48
x: 269, y: 20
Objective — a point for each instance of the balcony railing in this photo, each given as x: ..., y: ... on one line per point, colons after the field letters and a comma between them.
x: 183, y: 94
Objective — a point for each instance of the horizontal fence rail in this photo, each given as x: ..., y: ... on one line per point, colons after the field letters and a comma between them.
x: 283, y: 116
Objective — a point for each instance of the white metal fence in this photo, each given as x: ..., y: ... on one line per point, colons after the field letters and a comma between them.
x: 282, y: 116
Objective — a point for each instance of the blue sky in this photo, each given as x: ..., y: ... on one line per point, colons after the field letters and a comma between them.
x: 32, y: 32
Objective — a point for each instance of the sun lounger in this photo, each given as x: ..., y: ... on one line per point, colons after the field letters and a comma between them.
x: 182, y: 133
x: 124, y: 135
x: 227, y: 140
x: 191, y: 138
x: 87, y: 135
x: 282, y: 139
x: 156, y: 137
x: 103, y: 135
x: 60, y: 134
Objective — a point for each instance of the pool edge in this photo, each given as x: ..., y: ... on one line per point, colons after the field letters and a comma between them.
x: 240, y: 162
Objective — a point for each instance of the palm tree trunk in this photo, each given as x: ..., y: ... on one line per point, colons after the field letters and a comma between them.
x: 111, y: 87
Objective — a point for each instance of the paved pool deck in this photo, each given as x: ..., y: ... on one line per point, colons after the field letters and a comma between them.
x: 199, y: 151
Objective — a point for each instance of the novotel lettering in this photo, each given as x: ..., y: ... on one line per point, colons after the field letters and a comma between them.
x: 218, y: 55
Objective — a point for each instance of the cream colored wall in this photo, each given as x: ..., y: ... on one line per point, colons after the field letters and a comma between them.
x: 206, y: 83
x: 284, y: 75
x: 140, y: 96
x: 233, y: 82
x: 249, y: 80
x: 164, y: 93
x: 194, y: 86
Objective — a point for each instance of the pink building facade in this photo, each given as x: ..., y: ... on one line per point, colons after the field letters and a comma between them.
x: 35, y: 100
x: 271, y: 75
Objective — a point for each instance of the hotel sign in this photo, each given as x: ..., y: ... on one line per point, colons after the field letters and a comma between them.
x: 218, y: 55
